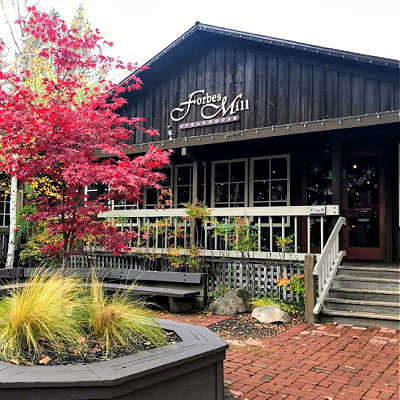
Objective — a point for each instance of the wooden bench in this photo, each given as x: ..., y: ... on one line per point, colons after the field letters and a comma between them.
x: 184, y: 290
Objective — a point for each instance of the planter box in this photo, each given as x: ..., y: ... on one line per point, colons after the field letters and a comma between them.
x: 188, y: 370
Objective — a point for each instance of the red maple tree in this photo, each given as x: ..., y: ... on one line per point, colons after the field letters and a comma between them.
x: 64, y: 130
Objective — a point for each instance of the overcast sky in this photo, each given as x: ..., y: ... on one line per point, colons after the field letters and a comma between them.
x: 140, y: 29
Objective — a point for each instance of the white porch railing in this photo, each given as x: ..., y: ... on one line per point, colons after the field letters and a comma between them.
x: 327, y: 264
x: 163, y: 231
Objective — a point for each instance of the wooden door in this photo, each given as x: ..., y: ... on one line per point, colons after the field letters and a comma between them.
x: 364, y: 206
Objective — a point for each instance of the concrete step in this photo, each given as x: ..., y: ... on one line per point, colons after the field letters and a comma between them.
x: 353, y: 282
x: 363, y: 306
x: 392, y: 296
x: 369, y: 272
x: 358, y: 318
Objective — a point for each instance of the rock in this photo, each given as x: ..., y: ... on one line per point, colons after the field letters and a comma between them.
x: 268, y: 314
x: 233, y: 302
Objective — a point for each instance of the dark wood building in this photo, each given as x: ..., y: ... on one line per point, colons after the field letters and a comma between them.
x: 299, y: 139
x: 240, y: 108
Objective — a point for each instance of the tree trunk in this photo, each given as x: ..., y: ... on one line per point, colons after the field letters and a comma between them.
x: 13, y: 223
x: 66, y: 253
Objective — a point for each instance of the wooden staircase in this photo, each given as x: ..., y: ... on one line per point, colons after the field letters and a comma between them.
x: 364, y: 294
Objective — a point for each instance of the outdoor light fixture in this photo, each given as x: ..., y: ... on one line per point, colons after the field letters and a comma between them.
x: 169, y: 132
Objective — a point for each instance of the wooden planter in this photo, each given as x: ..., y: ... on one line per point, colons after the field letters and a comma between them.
x: 191, y: 369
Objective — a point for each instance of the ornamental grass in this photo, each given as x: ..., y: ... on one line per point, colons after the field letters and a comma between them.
x: 120, y: 320
x: 60, y: 315
x: 44, y: 311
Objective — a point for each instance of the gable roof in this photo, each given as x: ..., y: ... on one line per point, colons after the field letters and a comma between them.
x: 272, y: 41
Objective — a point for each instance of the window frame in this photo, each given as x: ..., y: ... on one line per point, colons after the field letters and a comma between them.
x: 144, y: 202
x: 4, y: 201
x: 175, y: 182
x: 251, y: 180
x: 246, y: 181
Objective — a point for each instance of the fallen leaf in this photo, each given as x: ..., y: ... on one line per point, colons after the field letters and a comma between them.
x: 81, y: 339
x: 14, y: 361
x: 95, y: 350
x: 45, y: 360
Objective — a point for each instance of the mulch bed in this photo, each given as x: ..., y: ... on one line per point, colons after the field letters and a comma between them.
x: 89, y: 353
x: 245, y: 327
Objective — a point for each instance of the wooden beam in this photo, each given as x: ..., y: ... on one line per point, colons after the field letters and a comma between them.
x: 337, y: 172
x: 196, y: 187
x: 310, y: 288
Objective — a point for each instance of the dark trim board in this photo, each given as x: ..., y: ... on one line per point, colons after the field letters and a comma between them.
x: 191, y: 369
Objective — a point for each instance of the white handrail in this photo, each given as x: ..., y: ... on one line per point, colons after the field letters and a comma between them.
x: 327, y: 264
x: 265, y: 224
x: 330, y: 210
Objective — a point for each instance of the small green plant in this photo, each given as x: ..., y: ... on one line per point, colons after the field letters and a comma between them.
x: 238, y: 234
x: 285, y: 244
x: 291, y: 308
x: 175, y: 257
x: 263, y: 301
x: 197, y: 210
x: 220, y: 290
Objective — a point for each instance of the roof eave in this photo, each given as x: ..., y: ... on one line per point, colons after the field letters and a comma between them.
x: 324, y: 125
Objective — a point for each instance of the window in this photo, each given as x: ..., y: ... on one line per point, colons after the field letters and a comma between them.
x: 94, y: 191
x: 151, y: 196
x: 270, y: 183
x: 4, y: 209
x: 229, y: 183
x: 183, y: 184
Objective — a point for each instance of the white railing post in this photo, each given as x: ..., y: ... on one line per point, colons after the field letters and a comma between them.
x: 329, y: 260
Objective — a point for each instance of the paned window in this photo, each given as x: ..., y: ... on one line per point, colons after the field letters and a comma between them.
x: 4, y: 209
x: 183, y: 185
x: 270, y: 183
x: 151, y: 196
x: 229, y: 183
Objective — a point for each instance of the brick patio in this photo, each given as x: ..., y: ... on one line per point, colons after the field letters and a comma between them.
x: 328, y: 362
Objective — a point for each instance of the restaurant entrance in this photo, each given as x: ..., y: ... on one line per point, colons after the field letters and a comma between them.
x: 364, y: 207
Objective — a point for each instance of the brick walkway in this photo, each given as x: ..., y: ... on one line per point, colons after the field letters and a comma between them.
x: 327, y: 362
x: 317, y: 362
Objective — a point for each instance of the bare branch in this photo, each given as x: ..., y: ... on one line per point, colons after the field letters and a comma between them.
x: 10, y: 27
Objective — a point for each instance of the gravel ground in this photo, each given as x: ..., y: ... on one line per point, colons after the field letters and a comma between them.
x: 245, y: 327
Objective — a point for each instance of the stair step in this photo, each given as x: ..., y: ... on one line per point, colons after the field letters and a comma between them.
x: 362, y: 306
x: 360, y: 318
x: 358, y: 282
x: 365, y: 294
x: 369, y: 272
x: 371, y: 265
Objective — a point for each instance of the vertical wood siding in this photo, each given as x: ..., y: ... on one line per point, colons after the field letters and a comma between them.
x: 280, y: 89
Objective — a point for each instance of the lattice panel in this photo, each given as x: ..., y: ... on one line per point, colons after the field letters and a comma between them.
x: 261, y: 279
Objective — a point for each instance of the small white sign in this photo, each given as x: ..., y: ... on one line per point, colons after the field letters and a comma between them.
x: 318, y: 210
